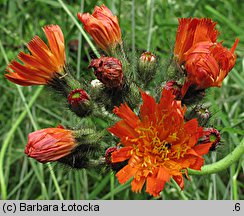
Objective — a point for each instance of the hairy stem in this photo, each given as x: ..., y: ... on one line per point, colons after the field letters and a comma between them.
x: 222, y: 164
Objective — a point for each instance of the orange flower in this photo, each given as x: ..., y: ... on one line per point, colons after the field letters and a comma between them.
x: 158, y: 145
x: 207, y: 64
x: 103, y: 26
x: 50, y: 144
x: 192, y: 31
x: 43, y: 63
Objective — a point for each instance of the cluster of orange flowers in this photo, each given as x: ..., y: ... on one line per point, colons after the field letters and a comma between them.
x: 159, y: 143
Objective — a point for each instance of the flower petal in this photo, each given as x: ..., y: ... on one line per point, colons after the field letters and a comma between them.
x: 127, y: 115
x: 148, y: 108
x: 125, y: 174
x: 202, y: 149
x: 155, y: 183
x: 136, y: 185
x: 121, y: 154
x: 179, y: 180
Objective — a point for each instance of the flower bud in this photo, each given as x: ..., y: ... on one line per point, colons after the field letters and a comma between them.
x: 103, y: 26
x: 108, y: 156
x: 50, y: 144
x: 206, y: 62
x: 75, y: 148
x: 147, y: 67
x: 79, y: 102
x: 212, y: 135
x: 148, y: 58
x: 175, y: 88
x: 192, y: 31
x: 201, y: 113
x: 109, y: 71
x: 108, y: 153
x: 96, y: 84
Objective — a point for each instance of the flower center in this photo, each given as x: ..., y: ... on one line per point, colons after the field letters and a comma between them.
x: 151, y: 146
x: 160, y: 148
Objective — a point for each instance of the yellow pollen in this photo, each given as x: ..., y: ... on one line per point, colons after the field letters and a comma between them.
x: 173, y: 136
x: 152, y: 148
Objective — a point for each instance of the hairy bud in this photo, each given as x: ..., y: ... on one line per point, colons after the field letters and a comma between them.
x: 201, y: 113
x: 213, y: 136
x: 147, y: 67
x: 175, y: 88
x: 79, y: 102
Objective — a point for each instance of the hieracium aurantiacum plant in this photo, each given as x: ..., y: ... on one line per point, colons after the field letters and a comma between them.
x: 154, y: 136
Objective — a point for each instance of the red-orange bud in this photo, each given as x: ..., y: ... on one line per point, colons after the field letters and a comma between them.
x: 109, y: 71
x: 192, y: 31
x: 212, y: 135
x: 76, y: 96
x: 175, y: 88
x: 79, y: 102
x: 50, y: 144
x: 205, y: 61
x: 103, y: 26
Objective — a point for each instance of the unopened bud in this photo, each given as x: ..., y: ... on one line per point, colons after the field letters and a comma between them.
x: 108, y: 153
x: 103, y: 26
x: 109, y: 71
x: 50, y: 144
x: 147, y: 67
x: 108, y: 156
x: 79, y: 102
x: 175, y: 88
x: 96, y: 84
x: 201, y: 113
x: 213, y: 136
x: 148, y: 58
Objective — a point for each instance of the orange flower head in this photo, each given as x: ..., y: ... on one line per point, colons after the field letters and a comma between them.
x: 207, y: 64
x: 50, y: 144
x: 43, y: 63
x: 158, y: 145
x: 103, y: 26
x: 192, y: 31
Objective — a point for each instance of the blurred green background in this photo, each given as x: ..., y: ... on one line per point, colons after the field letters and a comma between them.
x: 146, y: 25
